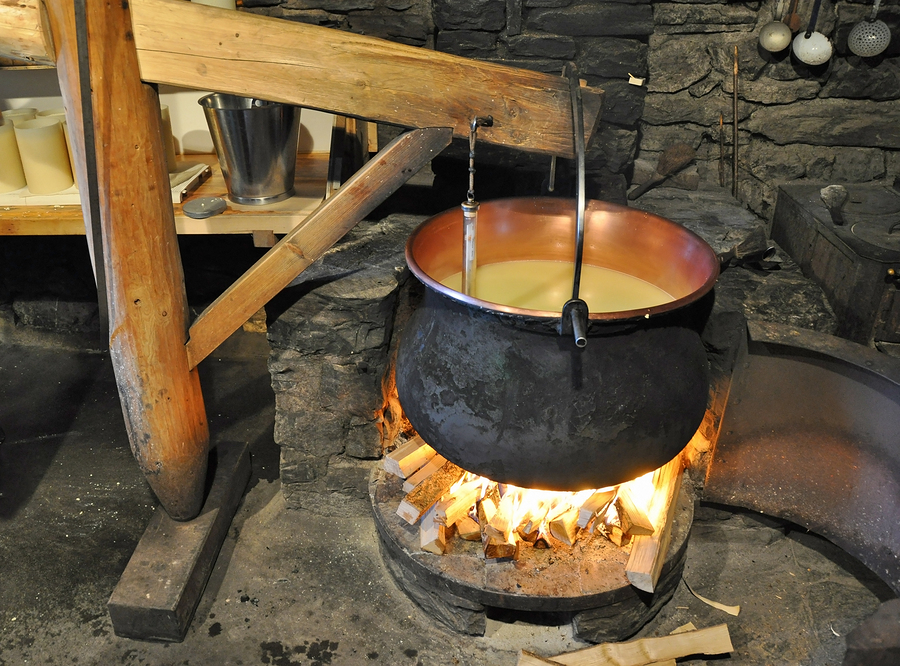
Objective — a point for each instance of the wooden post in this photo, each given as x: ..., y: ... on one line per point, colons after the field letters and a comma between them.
x: 160, y: 395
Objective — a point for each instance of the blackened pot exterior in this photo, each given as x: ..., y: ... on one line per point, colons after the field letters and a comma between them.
x: 503, y: 395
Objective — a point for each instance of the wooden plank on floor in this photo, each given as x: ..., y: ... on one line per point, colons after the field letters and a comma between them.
x: 161, y: 586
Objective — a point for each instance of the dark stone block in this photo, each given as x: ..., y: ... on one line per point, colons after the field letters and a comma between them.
x: 401, y: 27
x: 468, y: 43
x: 612, y: 148
x: 876, y: 642
x: 858, y: 78
x: 513, y: 17
x: 623, y: 103
x: 830, y: 122
x: 542, y: 46
x: 341, y: 6
x: 470, y: 15
x: 612, y: 57
x: 593, y: 20
x: 678, y: 63
x: 699, y: 18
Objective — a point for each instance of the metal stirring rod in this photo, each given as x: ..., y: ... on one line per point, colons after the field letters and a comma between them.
x: 470, y: 211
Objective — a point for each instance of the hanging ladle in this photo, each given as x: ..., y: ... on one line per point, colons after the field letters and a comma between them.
x: 574, y: 317
x: 811, y: 47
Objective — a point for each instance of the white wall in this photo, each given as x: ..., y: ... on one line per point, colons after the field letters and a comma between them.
x: 39, y: 88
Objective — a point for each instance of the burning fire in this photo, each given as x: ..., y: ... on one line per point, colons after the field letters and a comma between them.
x: 444, y: 499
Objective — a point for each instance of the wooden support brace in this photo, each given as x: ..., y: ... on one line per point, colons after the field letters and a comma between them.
x: 380, y: 177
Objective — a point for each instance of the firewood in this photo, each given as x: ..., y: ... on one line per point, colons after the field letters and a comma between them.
x: 645, y: 651
x: 536, y: 516
x: 618, y: 536
x: 424, y: 472
x: 542, y: 543
x: 565, y: 526
x: 432, y: 534
x: 500, y: 524
x: 424, y: 496
x: 408, y: 457
x: 595, y: 505
x: 468, y: 528
x: 633, y: 519
x: 456, y: 505
x: 497, y: 549
x: 649, y: 551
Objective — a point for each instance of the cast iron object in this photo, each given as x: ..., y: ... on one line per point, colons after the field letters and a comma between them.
x: 811, y: 433
x: 496, y: 390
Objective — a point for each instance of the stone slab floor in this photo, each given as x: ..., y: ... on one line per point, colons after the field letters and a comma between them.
x: 292, y: 587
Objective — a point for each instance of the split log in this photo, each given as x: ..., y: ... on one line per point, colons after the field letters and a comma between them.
x: 633, y: 519
x: 564, y: 526
x: 594, y: 506
x: 498, y: 549
x: 618, y: 536
x: 458, y: 504
x: 427, y: 493
x: 500, y: 525
x: 432, y: 534
x: 648, y: 552
x: 647, y: 651
x: 408, y: 457
x: 427, y: 470
x: 468, y: 528
x: 533, y: 519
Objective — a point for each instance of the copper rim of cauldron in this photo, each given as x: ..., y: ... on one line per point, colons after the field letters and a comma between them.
x: 544, y: 228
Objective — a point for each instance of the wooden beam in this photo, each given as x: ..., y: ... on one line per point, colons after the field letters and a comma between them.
x: 380, y: 177
x: 160, y: 394
x: 193, y: 45
x: 25, y: 33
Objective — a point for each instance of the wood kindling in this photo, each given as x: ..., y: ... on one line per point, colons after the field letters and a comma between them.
x: 457, y: 505
x: 427, y: 470
x: 644, y: 651
x: 595, y: 505
x: 427, y: 493
x: 648, y: 552
x: 408, y: 457
x: 632, y: 518
x: 432, y: 533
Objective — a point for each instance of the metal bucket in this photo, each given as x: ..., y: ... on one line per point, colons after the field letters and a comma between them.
x: 256, y: 143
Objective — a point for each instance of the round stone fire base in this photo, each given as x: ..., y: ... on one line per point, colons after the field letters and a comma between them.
x: 584, y: 584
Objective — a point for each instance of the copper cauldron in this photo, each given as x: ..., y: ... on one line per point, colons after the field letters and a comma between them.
x: 497, y: 390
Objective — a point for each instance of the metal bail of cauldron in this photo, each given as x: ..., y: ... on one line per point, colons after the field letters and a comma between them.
x: 574, y: 316
x: 470, y: 211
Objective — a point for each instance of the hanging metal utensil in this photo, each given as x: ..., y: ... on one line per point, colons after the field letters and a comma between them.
x: 871, y: 37
x: 811, y: 47
x: 574, y: 316
x: 470, y: 212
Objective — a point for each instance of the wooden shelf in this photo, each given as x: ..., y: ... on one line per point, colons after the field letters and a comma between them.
x: 279, y: 218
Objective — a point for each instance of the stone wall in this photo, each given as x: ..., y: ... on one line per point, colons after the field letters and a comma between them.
x: 837, y: 122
